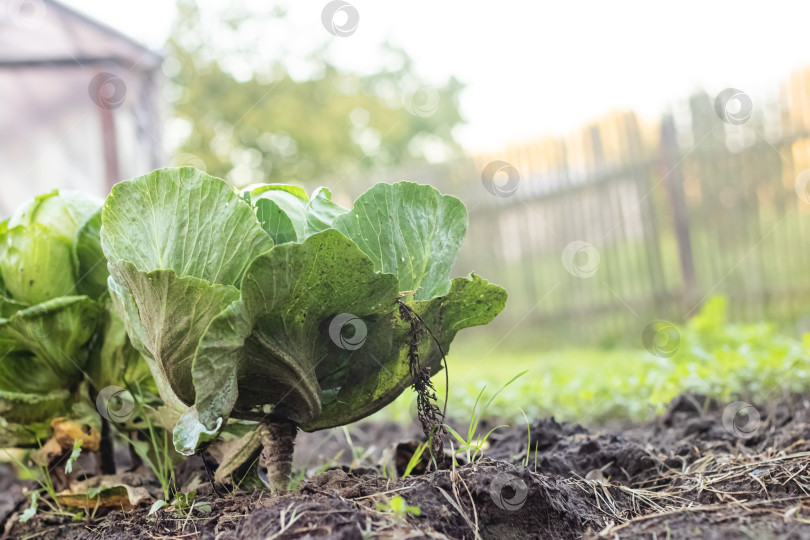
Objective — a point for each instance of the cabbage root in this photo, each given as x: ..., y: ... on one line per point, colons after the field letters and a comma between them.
x: 278, y: 441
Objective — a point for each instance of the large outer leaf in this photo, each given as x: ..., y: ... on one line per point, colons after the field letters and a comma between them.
x: 291, y: 295
x: 178, y: 243
x: 185, y: 221
x: 273, y: 342
x: 167, y: 316
x: 409, y: 230
x: 214, y: 374
x: 378, y: 371
x: 268, y: 348
x: 127, y: 309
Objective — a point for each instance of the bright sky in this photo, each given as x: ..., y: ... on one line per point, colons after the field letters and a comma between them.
x: 539, y: 67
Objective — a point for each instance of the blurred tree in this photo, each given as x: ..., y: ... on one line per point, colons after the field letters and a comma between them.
x: 255, y: 123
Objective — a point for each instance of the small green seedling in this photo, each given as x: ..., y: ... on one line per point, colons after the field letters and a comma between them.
x: 74, y: 455
x: 31, y: 511
x: 155, y: 451
x: 414, y: 461
x: 529, y: 436
x: 157, y: 505
x: 184, y: 504
x: 41, y: 476
x: 399, y: 507
x: 474, y: 442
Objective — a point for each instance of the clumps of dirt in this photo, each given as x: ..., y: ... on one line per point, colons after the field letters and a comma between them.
x: 569, y: 450
x: 688, y: 474
x: 692, y: 432
x: 500, y: 500
x: 485, y: 499
x: 489, y: 498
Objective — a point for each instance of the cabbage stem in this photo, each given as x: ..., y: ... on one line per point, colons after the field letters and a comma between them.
x: 278, y: 441
x: 106, y: 449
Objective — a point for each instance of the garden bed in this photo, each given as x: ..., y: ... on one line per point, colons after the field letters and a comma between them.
x: 683, y: 475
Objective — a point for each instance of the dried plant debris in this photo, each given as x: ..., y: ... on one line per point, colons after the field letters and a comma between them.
x: 430, y: 416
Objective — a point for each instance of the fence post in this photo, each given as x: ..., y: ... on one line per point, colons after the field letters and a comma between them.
x: 673, y: 177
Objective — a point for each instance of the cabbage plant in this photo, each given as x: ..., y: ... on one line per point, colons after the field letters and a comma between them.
x: 57, y: 324
x: 273, y: 307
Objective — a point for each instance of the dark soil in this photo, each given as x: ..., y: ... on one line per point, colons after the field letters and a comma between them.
x: 683, y: 475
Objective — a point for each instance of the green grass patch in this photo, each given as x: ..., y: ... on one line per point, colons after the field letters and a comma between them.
x: 751, y: 361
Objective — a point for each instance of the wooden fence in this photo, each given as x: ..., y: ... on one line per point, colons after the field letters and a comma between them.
x: 624, y: 223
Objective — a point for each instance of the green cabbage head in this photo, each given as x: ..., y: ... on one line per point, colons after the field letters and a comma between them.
x: 55, y: 315
x: 273, y: 304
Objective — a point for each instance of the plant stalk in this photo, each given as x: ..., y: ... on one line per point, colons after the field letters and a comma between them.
x: 106, y: 449
x: 278, y: 442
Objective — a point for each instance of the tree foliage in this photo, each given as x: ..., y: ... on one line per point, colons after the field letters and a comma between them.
x: 259, y: 124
